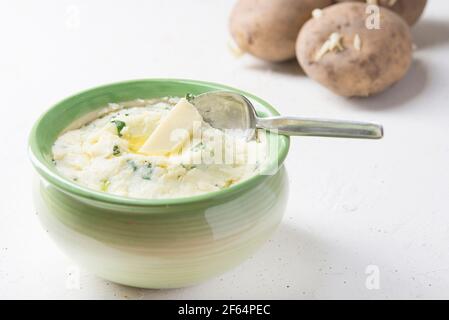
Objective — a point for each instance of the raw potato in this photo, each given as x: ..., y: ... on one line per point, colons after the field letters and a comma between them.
x: 338, y: 51
x: 268, y: 29
x: 410, y: 10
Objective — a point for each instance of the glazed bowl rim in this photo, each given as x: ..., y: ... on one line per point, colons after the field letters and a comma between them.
x: 45, y: 170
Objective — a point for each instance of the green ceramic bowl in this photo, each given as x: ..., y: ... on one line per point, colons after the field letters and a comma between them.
x: 154, y: 243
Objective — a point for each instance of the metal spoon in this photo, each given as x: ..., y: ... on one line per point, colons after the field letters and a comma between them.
x: 228, y: 110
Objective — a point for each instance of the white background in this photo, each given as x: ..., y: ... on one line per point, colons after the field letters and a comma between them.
x: 353, y: 204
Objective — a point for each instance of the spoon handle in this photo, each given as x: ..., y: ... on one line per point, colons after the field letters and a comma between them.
x: 297, y: 126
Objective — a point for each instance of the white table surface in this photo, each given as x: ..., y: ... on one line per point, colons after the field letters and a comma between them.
x: 354, y: 207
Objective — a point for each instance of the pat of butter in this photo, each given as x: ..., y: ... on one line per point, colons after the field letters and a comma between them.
x: 173, y: 130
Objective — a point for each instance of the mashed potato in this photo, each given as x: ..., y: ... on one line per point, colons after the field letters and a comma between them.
x: 104, y: 154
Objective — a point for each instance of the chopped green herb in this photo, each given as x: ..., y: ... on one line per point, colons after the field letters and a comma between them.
x: 116, y: 150
x: 133, y: 165
x: 228, y: 183
x: 120, y: 125
x: 188, y: 166
x: 147, y: 171
x: 190, y: 97
x: 105, y: 185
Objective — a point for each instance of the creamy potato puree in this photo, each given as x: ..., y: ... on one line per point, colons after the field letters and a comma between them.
x: 103, y: 155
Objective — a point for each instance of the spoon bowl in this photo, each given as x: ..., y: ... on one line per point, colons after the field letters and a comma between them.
x: 229, y: 110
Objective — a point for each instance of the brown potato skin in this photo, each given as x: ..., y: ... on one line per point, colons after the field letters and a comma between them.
x: 268, y: 29
x: 410, y: 10
x: 384, y: 58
